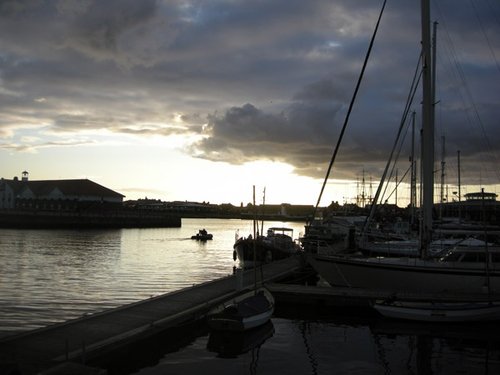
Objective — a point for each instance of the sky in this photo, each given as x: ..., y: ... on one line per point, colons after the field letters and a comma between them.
x: 201, y: 100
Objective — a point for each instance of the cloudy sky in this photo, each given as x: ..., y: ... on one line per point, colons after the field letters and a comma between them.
x: 199, y: 100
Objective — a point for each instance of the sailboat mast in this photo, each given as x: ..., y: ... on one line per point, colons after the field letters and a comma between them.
x: 459, y: 190
x: 443, y: 174
x: 263, y: 208
x: 413, y: 178
x: 427, y: 133
x: 254, y: 242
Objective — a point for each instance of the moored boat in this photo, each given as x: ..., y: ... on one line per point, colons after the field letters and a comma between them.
x: 475, y: 272
x: 247, y: 311
x: 331, y: 233
x: 461, y: 270
x: 440, y: 311
x: 277, y: 244
x: 410, y: 247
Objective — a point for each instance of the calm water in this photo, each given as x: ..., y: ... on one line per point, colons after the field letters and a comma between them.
x: 51, y: 276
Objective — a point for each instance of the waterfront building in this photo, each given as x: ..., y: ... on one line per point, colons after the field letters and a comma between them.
x: 53, y: 194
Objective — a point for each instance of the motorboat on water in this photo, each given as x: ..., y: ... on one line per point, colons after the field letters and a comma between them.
x: 244, y: 312
x: 202, y: 235
x: 277, y: 244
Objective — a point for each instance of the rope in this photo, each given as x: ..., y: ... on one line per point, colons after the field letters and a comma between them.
x: 351, y: 104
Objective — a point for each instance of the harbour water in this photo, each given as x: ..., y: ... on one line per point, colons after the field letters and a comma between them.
x: 52, y: 276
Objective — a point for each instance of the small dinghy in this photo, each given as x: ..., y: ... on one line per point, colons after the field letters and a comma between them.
x: 244, y: 312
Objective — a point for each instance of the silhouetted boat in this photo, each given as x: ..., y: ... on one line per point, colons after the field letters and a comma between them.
x: 277, y: 244
x: 479, y: 274
x: 439, y: 311
x: 249, y: 310
x: 202, y: 235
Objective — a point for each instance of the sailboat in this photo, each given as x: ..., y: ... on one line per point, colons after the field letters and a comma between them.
x: 246, y: 311
x: 462, y: 273
x: 277, y: 244
x: 434, y: 311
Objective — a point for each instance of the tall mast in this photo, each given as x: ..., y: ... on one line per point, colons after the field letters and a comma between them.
x: 413, y: 178
x: 427, y: 133
x: 443, y: 163
x: 459, y: 191
x: 396, y: 191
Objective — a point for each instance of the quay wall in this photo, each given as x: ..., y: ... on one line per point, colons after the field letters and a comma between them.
x: 24, y: 219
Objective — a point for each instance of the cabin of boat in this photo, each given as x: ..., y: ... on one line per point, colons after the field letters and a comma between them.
x: 277, y: 244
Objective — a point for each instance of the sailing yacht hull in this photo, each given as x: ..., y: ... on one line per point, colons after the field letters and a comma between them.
x: 399, y: 275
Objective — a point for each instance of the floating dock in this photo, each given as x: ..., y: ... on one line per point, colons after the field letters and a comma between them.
x: 92, y: 336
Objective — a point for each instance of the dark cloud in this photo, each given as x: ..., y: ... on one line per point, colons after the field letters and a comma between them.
x: 254, y: 79
x: 300, y: 135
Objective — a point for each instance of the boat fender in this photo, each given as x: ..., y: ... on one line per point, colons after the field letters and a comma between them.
x: 234, y: 255
x: 269, y: 256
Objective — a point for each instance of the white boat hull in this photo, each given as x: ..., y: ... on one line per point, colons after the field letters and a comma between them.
x: 440, y: 312
x: 399, y: 275
x: 220, y: 318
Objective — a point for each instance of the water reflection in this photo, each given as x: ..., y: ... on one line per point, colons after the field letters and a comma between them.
x: 336, y: 344
x: 232, y: 344
x: 425, y: 348
x: 47, y: 276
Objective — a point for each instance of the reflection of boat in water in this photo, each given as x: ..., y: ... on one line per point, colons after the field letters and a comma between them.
x: 232, y: 344
x: 473, y: 331
x: 277, y: 244
x: 244, y: 312
x: 439, y: 311
x: 202, y: 235
x: 420, y: 345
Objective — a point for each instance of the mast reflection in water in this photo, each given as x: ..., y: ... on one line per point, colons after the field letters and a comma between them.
x: 323, y: 343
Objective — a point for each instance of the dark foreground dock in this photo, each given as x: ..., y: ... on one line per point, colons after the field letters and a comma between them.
x: 80, y: 340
